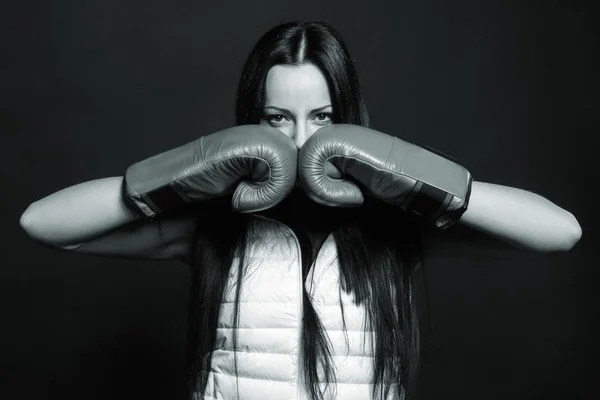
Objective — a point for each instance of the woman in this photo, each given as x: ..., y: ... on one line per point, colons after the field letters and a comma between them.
x: 316, y: 300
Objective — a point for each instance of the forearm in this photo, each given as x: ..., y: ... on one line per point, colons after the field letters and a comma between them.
x: 78, y: 213
x: 521, y: 218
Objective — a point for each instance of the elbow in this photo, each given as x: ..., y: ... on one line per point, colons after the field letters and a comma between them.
x: 568, y: 234
x: 27, y: 221
x: 560, y: 236
x: 572, y: 231
x: 31, y: 225
x: 30, y: 222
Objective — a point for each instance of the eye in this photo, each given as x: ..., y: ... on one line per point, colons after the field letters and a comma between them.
x: 323, y: 117
x: 274, y: 119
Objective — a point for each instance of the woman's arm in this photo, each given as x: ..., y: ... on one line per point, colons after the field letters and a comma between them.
x: 521, y: 218
x: 78, y: 213
x: 92, y: 218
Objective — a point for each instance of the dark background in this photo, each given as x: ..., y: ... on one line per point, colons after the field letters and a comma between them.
x: 508, y: 88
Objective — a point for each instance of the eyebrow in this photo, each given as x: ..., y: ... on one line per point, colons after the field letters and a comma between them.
x: 288, y: 111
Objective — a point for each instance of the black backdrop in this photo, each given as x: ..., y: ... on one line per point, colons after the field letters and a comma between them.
x: 508, y: 88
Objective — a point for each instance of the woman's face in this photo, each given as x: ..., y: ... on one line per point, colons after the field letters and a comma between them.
x: 297, y: 101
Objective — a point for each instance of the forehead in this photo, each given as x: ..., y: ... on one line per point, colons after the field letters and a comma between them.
x: 296, y: 86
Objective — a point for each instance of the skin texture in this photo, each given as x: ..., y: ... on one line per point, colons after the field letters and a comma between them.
x: 297, y: 101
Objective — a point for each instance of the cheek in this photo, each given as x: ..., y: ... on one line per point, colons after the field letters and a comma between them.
x: 313, y: 127
x: 311, y: 130
x: 284, y: 129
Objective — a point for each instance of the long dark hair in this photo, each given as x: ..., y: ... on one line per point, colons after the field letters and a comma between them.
x: 377, y: 262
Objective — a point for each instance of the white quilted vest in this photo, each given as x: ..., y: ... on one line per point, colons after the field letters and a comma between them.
x: 269, y: 329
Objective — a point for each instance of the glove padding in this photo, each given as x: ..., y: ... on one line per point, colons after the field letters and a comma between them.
x: 257, y: 164
x: 339, y: 161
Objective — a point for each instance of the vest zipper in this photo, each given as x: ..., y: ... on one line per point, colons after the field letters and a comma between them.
x: 299, y: 387
x: 300, y: 306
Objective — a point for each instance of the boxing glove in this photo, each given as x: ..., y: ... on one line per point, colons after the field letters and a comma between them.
x: 257, y: 164
x: 338, y: 162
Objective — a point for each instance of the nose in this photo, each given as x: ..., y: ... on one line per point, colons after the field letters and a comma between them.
x: 301, y: 134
